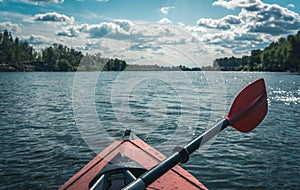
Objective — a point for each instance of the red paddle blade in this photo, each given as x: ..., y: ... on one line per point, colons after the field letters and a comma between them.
x: 249, y: 107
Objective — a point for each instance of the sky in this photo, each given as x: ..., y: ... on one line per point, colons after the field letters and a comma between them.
x: 164, y: 32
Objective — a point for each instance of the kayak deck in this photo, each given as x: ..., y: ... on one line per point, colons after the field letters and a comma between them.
x: 142, y: 154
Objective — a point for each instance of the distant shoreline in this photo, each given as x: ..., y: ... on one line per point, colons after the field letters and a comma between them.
x: 28, y: 67
x: 99, y: 67
x: 18, y: 56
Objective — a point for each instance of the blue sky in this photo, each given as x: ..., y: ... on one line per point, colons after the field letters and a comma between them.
x: 189, y: 31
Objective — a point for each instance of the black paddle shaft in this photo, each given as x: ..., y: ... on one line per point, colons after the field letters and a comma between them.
x: 181, y: 155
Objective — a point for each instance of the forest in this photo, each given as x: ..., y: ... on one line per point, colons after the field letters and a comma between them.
x: 17, y: 55
x: 281, y: 55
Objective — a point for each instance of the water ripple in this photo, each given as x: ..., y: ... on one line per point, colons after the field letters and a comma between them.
x: 42, y: 147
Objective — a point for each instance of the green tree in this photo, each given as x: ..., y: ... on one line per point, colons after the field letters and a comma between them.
x: 59, y: 57
x: 115, y: 65
x: 63, y: 65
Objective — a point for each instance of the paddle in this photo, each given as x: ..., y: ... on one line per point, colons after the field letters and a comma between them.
x: 247, y: 110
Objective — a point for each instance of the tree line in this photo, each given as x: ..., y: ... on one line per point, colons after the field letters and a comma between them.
x: 17, y: 55
x: 281, y: 55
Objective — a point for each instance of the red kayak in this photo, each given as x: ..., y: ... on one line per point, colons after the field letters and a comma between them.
x: 131, y: 164
x: 125, y: 160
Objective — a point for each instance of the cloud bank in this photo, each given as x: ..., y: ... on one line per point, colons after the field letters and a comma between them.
x: 259, y: 17
x: 255, y: 25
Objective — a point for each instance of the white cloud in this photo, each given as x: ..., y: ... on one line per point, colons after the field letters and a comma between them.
x: 94, y: 30
x: 181, y: 24
x: 124, y: 24
x: 232, y: 4
x: 36, y: 39
x: 291, y: 5
x: 9, y: 27
x: 53, y: 17
x: 224, y: 23
x: 222, y: 38
x: 143, y: 47
x: 38, y: 2
x: 234, y: 40
x: 108, y: 29
x: 271, y: 19
x: 69, y: 31
x: 165, y: 10
x: 165, y: 21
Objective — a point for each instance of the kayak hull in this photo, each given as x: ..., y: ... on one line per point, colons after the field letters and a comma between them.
x: 142, y: 154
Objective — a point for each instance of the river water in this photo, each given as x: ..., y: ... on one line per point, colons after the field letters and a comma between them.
x: 52, y: 124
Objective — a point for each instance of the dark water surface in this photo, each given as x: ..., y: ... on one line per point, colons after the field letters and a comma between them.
x: 52, y: 124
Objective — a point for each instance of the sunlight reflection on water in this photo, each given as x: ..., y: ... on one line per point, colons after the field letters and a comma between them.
x: 41, y: 145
